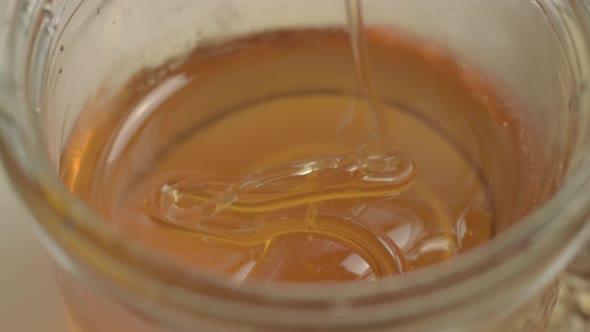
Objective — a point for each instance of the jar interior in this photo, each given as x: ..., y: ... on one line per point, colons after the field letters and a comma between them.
x: 530, y: 76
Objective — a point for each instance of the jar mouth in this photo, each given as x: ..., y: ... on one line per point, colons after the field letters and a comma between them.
x: 81, y: 240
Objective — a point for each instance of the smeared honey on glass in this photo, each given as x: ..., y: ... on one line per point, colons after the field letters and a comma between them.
x: 269, y: 158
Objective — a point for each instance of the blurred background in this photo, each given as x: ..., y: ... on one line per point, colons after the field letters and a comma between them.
x: 29, y: 299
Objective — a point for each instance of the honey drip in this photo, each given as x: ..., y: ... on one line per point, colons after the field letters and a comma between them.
x: 367, y: 173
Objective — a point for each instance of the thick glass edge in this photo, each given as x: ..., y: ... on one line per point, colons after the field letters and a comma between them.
x: 40, y: 188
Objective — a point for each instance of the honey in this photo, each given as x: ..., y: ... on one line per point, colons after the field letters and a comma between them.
x: 285, y: 157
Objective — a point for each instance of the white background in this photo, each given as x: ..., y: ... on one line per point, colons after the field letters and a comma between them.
x: 30, y: 299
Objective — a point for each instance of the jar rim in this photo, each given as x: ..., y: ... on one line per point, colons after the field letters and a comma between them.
x: 78, y: 235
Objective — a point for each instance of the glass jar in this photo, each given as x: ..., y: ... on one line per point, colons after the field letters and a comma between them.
x: 56, y: 54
